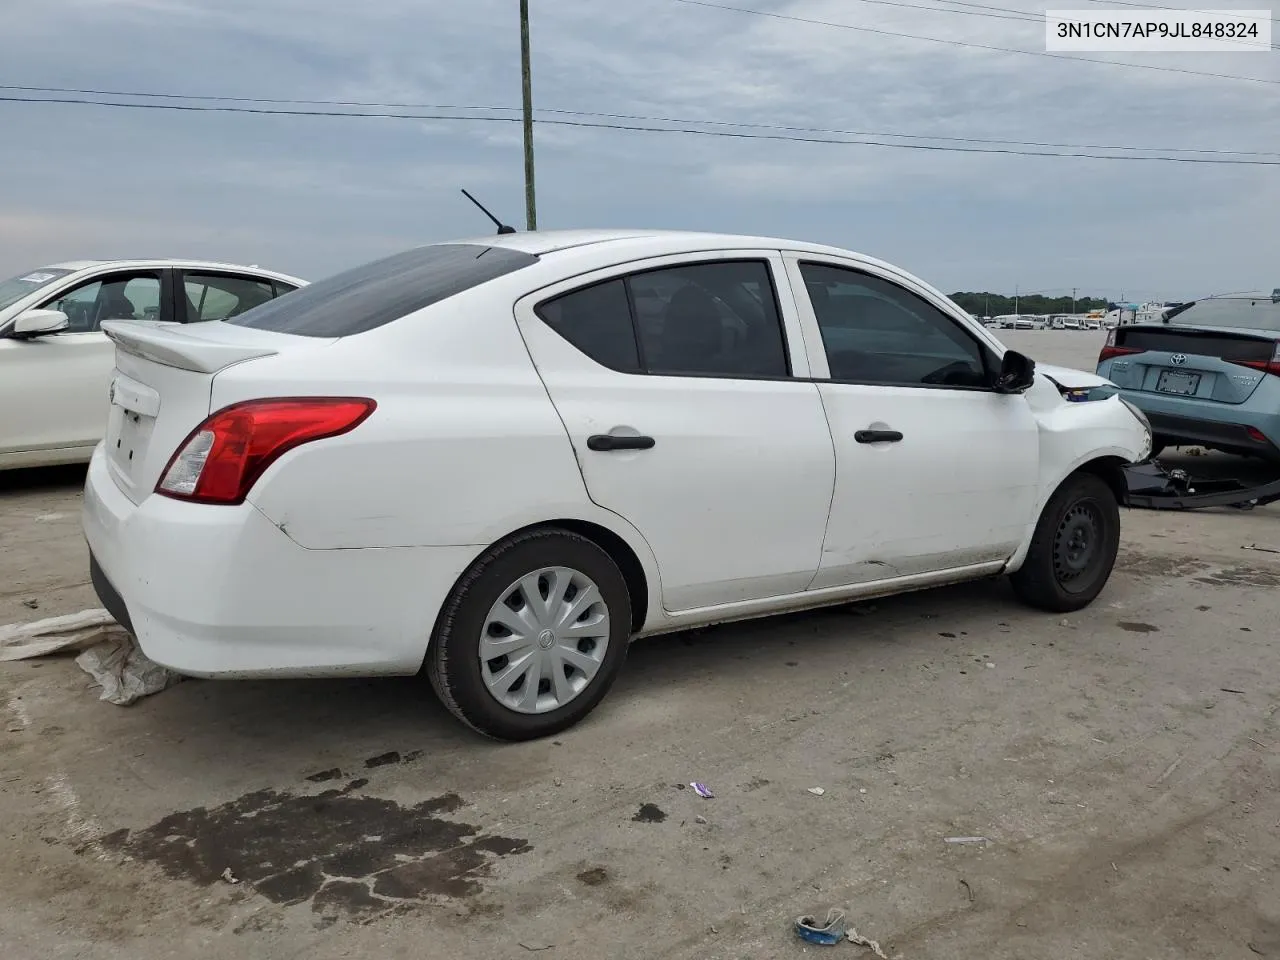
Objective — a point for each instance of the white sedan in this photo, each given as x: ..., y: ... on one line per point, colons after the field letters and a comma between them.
x: 497, y: 461
x: 55, y: 362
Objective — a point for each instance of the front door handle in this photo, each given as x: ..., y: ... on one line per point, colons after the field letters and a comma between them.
x: 877, y: 436
x: 604, y: 442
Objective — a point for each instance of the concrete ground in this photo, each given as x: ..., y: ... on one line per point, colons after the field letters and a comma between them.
x: 1123, y: 765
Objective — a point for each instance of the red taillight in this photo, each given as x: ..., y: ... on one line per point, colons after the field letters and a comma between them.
x: 1111, y: 350
x: 221, y: 459
x: 1271, y: 366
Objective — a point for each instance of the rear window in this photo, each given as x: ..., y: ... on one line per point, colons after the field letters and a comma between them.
x: 1246, y: 311
x: 385, y: 290
x: 1227, y: 346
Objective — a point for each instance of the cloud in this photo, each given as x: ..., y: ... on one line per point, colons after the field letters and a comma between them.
x: 312, y: 194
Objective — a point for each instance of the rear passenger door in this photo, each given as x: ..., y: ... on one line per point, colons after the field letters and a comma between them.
x: 683, y: 387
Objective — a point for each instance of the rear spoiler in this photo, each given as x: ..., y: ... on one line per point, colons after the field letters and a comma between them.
x: 169, y: 344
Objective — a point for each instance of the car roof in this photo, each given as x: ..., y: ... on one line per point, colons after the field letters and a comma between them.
x: 77, y: 265
x: 542, y: 242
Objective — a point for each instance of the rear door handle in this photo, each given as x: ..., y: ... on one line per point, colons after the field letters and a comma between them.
x: 877, y: 436
x: 604, y: 442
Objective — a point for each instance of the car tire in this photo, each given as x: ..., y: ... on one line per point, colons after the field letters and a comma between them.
x: 549, y: 562
x: 1074, y: 547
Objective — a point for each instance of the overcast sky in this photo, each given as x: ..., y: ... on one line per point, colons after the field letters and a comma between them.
x: 312, y: 195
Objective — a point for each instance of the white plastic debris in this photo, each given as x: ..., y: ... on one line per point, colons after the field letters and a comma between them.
x: 75, y: 631
x: 229, y: 877
x: 124, y: 672
x: 855, y: 937
x: 111, y: 656
x: 967, y: 840
x: 817, y: 791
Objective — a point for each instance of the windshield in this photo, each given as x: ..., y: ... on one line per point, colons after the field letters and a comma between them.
x: 1251, y: 311
x: 13, y: 290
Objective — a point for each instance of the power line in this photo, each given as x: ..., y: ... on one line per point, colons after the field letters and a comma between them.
x: 596, y: 125
x: 785, y: 128
x: 965, y: 43
x: 1161, y: 6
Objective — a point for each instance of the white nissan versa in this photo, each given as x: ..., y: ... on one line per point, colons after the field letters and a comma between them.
x: 497, y: 461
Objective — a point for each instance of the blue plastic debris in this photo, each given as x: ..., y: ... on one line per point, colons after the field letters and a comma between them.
x: 826, y: 934
x: 702, y: 790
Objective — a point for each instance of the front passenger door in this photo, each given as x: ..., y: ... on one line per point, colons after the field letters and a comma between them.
x: 934, y: 470
x: 59, y: 382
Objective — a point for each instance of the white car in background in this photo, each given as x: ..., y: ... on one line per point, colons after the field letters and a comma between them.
x: 55, y: 361
x: 497, y: 461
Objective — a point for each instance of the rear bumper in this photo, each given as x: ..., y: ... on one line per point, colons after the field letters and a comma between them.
x: 1219, y: 435
x: 1220, y: 426
x: 222, y: 592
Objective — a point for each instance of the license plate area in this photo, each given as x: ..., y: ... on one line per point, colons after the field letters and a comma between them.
x: 1178, y: 382
x: 129, y: 424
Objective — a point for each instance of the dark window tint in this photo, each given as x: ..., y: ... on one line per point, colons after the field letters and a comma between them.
x: 218, y: 296
x: 597, y: 321
x: 385, y: 290
x: 711, y: 319
x: 1257, y: 312
x: 1227, y: 346
x: 876, y: 332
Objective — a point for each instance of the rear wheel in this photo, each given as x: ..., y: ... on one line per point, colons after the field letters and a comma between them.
x: 532, y: 637
x: 1074, y: 547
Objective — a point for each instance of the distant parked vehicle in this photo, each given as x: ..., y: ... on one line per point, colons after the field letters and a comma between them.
x: 55, y: 361
x: 1208, y: 375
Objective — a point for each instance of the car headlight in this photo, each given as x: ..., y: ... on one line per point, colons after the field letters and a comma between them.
x: 1142, y: 417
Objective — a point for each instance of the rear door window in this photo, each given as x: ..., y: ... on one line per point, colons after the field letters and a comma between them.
x: 717, y: 319
x: 221, y: 296
x: 377, y: 293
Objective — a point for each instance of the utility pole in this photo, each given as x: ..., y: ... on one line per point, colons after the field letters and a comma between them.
x: 526, y: 82
x: 1073, y: 300
x: 1015, y: 299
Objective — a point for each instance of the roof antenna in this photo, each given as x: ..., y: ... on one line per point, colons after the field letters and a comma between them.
x: 502, y: 227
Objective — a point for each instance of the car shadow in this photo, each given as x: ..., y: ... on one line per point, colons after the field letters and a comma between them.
x: 355, y: 718
x: 34, y: 479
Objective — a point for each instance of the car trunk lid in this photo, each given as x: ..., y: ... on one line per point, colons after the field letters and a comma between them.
x: 1220, y: 365
x: 162, y: 386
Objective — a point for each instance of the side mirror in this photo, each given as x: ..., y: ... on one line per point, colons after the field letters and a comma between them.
x: 38, y: 323
x: 1017, y: 373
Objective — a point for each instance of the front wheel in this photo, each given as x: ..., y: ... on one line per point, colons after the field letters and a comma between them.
x: 1074, y: 547
x: 532, y: 637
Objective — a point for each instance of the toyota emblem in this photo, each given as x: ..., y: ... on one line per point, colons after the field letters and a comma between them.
x: 1179, y: 359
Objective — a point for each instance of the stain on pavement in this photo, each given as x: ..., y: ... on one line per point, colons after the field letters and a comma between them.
x: 343, y: 853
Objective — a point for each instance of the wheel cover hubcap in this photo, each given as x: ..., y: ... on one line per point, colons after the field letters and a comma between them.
x: 544, y: 640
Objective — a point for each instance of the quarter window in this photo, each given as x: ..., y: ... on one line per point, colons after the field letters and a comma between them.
x: 709, y: 319
x: 876, y: 332
x: 597, y: 320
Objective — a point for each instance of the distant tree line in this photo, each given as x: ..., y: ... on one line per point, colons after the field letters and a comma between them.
x: 995, y: 304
